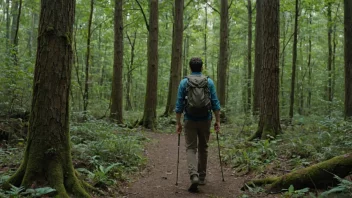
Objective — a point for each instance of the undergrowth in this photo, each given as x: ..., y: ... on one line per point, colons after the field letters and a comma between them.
x: 307, y: 141
x: 103, y: 153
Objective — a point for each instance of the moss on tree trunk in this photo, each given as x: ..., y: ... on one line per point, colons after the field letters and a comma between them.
x: 320, y: 175
x: 47, y: 159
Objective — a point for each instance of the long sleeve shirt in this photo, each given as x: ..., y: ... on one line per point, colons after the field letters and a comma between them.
x: 181, y: 95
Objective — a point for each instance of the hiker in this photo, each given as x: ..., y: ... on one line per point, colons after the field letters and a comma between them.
x: 197, y: 98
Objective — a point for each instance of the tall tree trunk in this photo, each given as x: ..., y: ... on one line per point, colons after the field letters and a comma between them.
x: 185, y: 53
x: 8, y: 20
x: 47, y: 158
x: 176, y: 61
x: 348, y: 58
x: 269, y: 122
x: 205, y: 37
x: 223, y: 56
x: 329, y: 66
x: 149, y: 115
x: 258, y: 56
x: 310, y: 69
x: 283, y: 60
x: 294, y: 62
x: 335, y: 42
x: 117, y: 84
x: 129, y: 72
x: 249, y: 57
x: 86, y: 83
x: 16, y: 15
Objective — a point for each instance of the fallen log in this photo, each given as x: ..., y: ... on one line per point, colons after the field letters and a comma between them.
x: 318, y: 176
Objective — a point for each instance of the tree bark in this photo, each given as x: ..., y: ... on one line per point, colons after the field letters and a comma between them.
x: 223, y: 56
x: 132, y: 43
x: 294, y: 62
x: 310, y: 69
x: 116, y: 112
x: 258, y: 56
x: 16, y: 15
x: 249, y: 57
x: 86, y: 84
x: 8, y: 20
x: 348, y: 58
x: 149, y: 115
x: 269, y: 121
x: 176, y: 61
x: 329, y: 66
x: 320, y: 175
x: 47, y: 159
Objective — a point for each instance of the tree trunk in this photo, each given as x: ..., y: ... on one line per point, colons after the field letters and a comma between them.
x: 47, y: 159
x: 129, y: 72
x: 16, y: 14
x: 117, y: 84
x: 348, y: 58
x: 223, y: 56
x: 149, y: 115
x: 310, y: 69
x: 86, y: 84
x: 329, y: 66
x: 185, y: 52
x: 205, y: 38
x: 258, y: 56
x: 294, y: 62
x: 176, y: 61
x: 321, y: 175
x: 269, y: 121
x: 8, y: 20
x: 249, y: 58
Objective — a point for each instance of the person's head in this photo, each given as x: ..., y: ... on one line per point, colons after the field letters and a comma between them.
x: 196, y: 64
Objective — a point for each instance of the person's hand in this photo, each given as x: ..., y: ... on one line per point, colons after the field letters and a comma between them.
x: 217, y: 127
x: 179, y: 128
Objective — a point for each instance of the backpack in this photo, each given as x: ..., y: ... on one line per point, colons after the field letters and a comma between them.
x: 198, y: 102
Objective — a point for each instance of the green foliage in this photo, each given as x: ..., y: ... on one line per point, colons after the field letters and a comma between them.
x: 105, y: 151
x: 292, y: 193
x: 310, y: 140
x: 343, y: 188
x: 16, y: 192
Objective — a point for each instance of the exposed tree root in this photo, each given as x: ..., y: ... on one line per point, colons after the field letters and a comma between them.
x: 320, y: 175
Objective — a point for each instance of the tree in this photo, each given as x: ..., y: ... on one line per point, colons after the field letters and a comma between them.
x: 294, y: 62
x: 348, y: 58
x: 223, y: 56
x: 89, y: 36
x: 249, y: 57
x: 329, y: 66
x: 258, y: 56
x: 117, y: 84
x: 269, y: 120
x: 47, y: 158
x: 176, y: 57
x: 16, y: 14
x: 149, y: 115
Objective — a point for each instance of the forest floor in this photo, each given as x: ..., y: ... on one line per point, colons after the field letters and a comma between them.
x: 159, y: 177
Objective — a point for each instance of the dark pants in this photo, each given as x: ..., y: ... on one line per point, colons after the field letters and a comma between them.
x: 197, y: 136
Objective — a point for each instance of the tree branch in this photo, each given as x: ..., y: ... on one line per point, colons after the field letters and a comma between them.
x: 145, y: 17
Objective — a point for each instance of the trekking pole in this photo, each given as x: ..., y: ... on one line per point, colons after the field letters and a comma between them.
x: 178, y: 158
x: 222, y: 172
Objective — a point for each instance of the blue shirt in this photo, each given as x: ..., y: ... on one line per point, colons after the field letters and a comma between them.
x: 180, y: 102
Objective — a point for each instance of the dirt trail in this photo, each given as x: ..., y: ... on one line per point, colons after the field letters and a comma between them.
x: 159, y: 178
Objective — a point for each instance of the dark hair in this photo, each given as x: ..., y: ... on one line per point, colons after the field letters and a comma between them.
x: 196, y: 64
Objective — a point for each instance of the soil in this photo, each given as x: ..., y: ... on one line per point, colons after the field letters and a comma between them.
x: 159, y: 177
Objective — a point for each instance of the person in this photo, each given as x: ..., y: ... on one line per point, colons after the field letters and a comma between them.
x: 196, y: 128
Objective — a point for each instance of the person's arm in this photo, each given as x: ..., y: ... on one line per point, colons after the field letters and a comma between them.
x: 215, y: 103
x: 180, y: 106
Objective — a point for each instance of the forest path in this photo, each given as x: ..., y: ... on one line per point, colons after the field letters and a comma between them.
x: 159, y: 177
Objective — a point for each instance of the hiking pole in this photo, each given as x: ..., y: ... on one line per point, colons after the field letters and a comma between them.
x: 178, y: 157
x: 222, y: 172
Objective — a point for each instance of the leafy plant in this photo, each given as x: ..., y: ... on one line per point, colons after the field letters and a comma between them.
x: 344, y: 187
